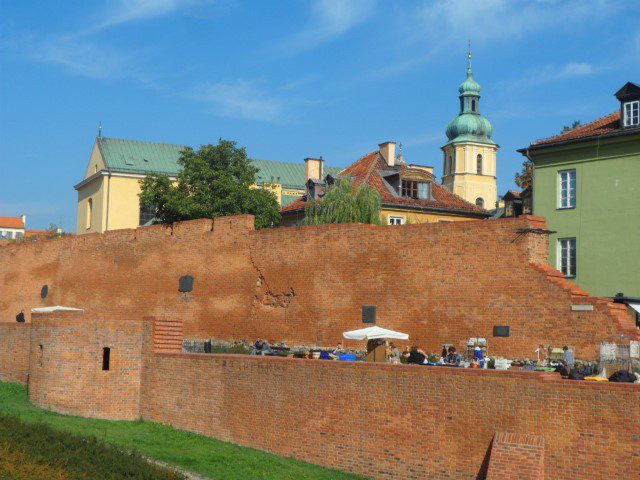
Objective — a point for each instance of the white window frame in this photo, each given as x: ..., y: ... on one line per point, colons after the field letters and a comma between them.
x: 564, y: 248
x: 395, y: 220
x: 631, y: 113
x: 568, y: 200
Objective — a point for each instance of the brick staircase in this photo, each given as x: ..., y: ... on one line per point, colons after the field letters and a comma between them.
x: 167, y: 335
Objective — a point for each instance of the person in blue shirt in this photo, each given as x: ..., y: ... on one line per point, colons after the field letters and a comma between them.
x: 568, y: 357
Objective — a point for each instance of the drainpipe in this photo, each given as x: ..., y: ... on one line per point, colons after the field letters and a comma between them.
x: 533, y: 180
x: 108, y: 197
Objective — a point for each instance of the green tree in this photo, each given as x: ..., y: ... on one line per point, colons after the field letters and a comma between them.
x: 215, y: 181
x: 524, y: 178
x: 344, y: 202
x: 575, y: 124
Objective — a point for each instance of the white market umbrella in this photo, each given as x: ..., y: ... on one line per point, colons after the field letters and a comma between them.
x: 373, y: 333
x: 56, y: 308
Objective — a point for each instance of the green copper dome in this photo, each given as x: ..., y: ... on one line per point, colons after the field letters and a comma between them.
x: 469, y: 86
x: 469, y: 125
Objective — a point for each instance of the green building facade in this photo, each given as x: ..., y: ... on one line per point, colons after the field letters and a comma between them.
x: 587, y: 185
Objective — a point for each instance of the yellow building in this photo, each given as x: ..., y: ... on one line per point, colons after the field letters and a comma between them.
x: 470, y: 154
x: 409, y: 193
x: 108, y: 195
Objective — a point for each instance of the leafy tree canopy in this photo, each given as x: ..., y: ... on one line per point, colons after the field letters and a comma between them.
x: 345, y: 203
x: 524, y: 178
x: 215, y: 181
x: 575, y: 124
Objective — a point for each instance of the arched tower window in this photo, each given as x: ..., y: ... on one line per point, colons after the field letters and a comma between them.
x: 480, y: 202
x: 89, y: 212
x: 479, y: 166
x: 447, y: 165
x: 473, y: 105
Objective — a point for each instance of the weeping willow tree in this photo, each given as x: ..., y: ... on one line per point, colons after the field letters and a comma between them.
x: 345, y: 203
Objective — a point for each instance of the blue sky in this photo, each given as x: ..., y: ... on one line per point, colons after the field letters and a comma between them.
x: 291, y: 79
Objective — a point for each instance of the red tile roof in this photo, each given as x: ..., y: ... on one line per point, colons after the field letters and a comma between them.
x: 607, y: 124
x: 38, y: 233
x: 365, y: 171
x: 11, y: 222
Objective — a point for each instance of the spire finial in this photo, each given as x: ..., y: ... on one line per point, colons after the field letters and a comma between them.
x: 100, y: 129
x: 469, y: 72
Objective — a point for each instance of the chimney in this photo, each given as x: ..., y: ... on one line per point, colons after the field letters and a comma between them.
x: 388, y: 152
x: 24, y: 220
x: 315, y: 168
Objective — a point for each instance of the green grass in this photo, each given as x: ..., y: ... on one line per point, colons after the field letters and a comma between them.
x: 35, y: 450
x: 210, y: 457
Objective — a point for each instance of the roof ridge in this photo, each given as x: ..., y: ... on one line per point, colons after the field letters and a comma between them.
x: 143, y: 141
x: 579, y: 129
x: 371, y: 169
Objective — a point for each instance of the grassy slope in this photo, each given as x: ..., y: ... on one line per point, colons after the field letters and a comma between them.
x: 38, y: 451
x: 207, y: 456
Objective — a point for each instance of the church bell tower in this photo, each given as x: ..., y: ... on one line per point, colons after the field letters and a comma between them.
x: 470, y: 154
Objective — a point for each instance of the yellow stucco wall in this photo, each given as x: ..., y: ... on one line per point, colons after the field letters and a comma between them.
x: 419, y: 217
x: 95, y: 191
x: 96, y: 163
x: 464, y: 180
x: 276, y: 188
x: 124, y: 203
x: 119, y: 195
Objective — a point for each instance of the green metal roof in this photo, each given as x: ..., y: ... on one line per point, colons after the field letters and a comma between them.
x: 287, y: 174
x: 135, y: 156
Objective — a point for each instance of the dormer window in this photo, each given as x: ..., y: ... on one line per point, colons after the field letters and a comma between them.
x: 415, y: 189
x: 631, y: 113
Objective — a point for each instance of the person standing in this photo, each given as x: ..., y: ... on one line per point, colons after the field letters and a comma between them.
x: 568, y: 357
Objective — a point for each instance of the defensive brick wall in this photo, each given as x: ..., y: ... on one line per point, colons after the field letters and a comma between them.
x: 66, y: 365
x: 401, y: 422
x: 14, y: 352
x: 441, y: 283
x: 380, y: 420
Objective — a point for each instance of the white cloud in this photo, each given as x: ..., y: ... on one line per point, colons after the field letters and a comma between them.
x: 125, y: 11
x: 455, y: 21
x: 574, y: 69
x: 242, y: 99
x: 550, y: 73
x: 84, y: 58
x: 330, y: 19
x: 80, y: 56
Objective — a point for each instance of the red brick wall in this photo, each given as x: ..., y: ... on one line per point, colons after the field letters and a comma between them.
x: 66, y: 372
x: 441, y: 283
x: 14, y: 352
x: 396, y: 422
x: 516, y: 456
